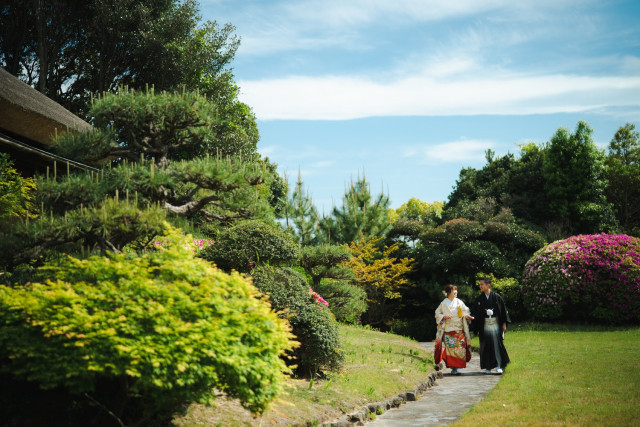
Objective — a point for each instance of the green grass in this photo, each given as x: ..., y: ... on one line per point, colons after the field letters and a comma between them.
x: 565, y: 375
x: 378, y: 366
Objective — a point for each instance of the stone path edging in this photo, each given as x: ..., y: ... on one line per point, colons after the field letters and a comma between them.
x: 446, y: 398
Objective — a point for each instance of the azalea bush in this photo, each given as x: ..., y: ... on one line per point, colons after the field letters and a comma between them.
x: 585, y: 277
x: 140, y: 336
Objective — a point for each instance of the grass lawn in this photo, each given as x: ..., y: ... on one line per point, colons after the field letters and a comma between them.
x: 565, y: 375
x: 378, y: 366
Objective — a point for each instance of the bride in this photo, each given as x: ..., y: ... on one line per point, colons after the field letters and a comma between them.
x: 453, y: 342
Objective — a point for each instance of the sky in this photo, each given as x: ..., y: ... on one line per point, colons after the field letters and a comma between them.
x: 408, y: 93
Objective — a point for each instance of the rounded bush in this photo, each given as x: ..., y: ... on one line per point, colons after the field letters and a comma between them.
x: 312, y: 322
x: 585, y: 277
x: 249, y: 244
x: 155, y: 331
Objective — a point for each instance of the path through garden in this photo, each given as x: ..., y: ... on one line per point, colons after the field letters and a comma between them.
x: 444, y: 403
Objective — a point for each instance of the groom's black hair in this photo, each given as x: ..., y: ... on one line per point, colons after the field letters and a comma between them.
x: 486, y: 280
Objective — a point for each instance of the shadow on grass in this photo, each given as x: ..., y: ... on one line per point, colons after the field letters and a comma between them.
x: 566, y: 327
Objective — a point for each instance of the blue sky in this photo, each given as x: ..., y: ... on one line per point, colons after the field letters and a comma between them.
x: 409, y: 92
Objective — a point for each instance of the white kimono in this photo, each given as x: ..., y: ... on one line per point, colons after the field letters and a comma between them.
x: 455, y: 309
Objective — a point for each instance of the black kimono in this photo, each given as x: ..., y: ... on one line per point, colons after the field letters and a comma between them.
x: 493, y: 353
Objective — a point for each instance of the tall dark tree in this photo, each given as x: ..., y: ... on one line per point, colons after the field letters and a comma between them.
x: 70, y: 49
x: 525, y: 194
x: 623, y: 173
x: 575, y: 182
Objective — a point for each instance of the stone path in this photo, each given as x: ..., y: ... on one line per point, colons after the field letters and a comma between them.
x: 444, y: 403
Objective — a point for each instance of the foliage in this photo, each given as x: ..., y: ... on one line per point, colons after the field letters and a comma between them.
x: 585, y: 277
x: 126, y: 205
x: 16, y: 193
x: 323, y: 264
x: 347, y: 300
x: 159, y: 126
x: 510, y: 289
x: 623, y: 176
x: 575, y: 181
x: 70, y: 50
x: 458, y: 249
x: 361, y: 216
x: 303, y: 215
x: 411, y: 218
x: 248, y: 244
x: 417, y: 210
x: 490, y: 182
x: 381, y: 275
x: 107, y: 226
x: 163, y: 328
x: 312, y: 324
x: 524, y: 195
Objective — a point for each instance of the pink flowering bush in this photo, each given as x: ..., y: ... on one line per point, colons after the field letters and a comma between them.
x: 585, y: 277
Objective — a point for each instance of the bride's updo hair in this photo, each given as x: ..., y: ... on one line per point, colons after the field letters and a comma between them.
x: 448, y: 289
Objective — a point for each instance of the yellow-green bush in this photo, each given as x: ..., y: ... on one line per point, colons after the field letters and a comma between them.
x: 154, y: 331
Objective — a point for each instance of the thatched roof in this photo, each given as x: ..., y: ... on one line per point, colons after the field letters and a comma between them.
x: 28, y: 113
x: 28, y: 122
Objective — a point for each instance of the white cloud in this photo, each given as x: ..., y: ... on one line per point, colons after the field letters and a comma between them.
x: 350, y: 97
x: 309, y: 25
x: 448, y: 152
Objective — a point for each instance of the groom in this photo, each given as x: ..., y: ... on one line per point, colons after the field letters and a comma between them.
x: 490, y: 324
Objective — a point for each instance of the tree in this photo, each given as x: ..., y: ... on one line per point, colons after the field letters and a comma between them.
x: 303, y: 214
x: 381, y: 275
x: 70, y: 50
x: 361, y: 216
x: 623, y: 176
x: 334, y: 281
x: 411, y: 219
x: 575, y: 181
x: 161, y: 126
x: 141, y: 183
x: 489, y: 182
x: 525, y: 195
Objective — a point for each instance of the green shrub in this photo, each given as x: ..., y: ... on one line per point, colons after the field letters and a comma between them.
x: 143, y: 335
x: 249, y: 244
x: 312, y: 323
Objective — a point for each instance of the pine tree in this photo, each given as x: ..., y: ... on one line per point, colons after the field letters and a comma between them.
x: 302, y: 214
x: 361, y: 216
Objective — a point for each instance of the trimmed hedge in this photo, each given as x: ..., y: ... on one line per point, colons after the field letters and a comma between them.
x: 586, y: 277
x: 312, y: 323
x: 249, y: 244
